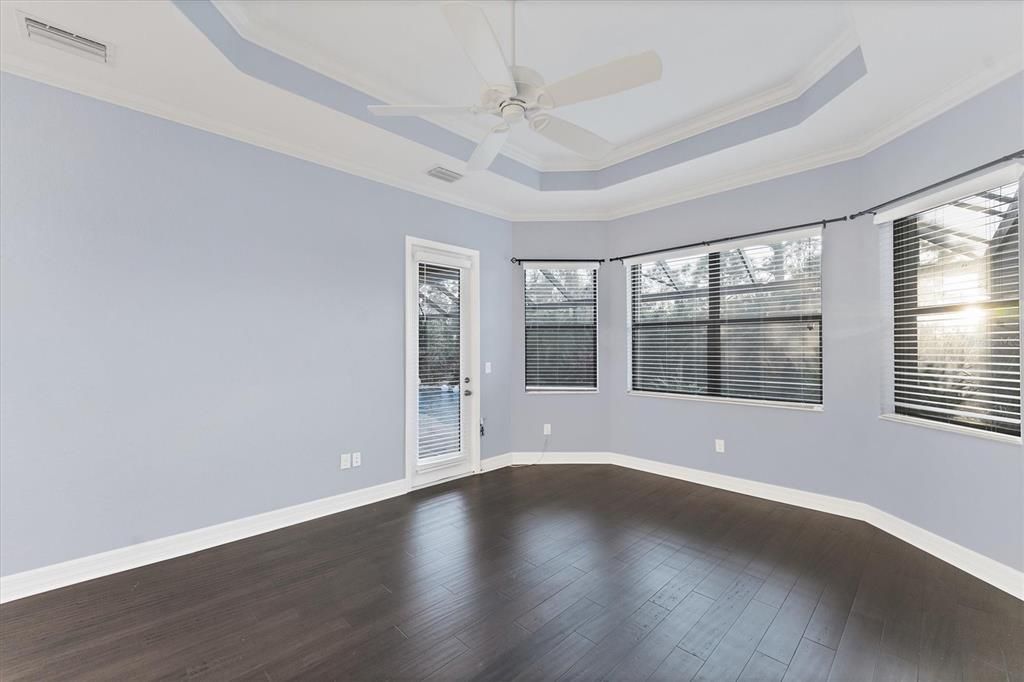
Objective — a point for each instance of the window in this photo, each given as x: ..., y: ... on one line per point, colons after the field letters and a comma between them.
x: 561, y: 326
x: 956, y: 313
x: 738, y: 320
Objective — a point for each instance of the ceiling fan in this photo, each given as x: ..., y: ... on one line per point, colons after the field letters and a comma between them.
x: 517, y: 94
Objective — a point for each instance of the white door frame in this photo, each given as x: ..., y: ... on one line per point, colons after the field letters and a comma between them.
x: 471, y: 319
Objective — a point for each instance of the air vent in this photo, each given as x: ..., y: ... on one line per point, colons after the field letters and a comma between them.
x: 444, y: 174
x: 66, y: 40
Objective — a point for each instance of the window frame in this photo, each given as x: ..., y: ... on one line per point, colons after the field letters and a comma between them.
x: 714, y: 309
x: 901, y: 287
x: 565, y: 390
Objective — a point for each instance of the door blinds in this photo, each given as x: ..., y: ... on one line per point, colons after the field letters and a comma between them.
x: 561, y: 326
x: 440, y: 361
x: 956, y: 313
x: 739, y: 319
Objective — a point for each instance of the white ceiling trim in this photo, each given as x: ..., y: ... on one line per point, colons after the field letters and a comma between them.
x: 815, y: 70
x: 820, y: 65
x: 429, y: 188
x: 956, y: 94
x: 270, y: 40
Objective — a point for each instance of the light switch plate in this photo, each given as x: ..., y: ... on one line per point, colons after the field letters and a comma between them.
x: 487, y: 368
x: 346, y: 460
x: 547, y: 429
x: 719, y: 445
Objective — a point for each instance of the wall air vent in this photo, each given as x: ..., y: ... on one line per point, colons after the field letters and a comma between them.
x: 65, y: 40
x: 444, y: 174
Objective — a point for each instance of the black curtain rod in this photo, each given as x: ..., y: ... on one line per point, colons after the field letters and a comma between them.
x: 517, y: 261
x: 1009, y: 157
x: 709, y: 242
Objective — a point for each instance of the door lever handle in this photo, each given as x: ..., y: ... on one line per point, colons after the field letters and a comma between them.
x: 467, y: 392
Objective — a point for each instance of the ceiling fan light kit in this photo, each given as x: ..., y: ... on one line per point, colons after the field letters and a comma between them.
x: 515, y: 94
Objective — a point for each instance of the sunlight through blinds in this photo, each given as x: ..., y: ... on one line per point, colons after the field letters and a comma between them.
x: 956, y: 313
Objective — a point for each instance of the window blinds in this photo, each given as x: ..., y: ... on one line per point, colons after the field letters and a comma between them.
x: 738, y: 320
x: 956, y: 312
x: 561, y: 326
x: 440, y: 361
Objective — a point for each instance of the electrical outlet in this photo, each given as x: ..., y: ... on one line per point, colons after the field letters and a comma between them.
x: 346, y: 460
x: 719, y: 445
x: 547, y: 429
x: 487, y: 368
x: 357, y: 459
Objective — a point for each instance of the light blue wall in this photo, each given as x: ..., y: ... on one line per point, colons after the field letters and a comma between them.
x: 194, y: 328
x: 577, y: 420
x: 967, y: 489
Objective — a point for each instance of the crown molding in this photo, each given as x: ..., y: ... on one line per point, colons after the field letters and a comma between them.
x: 177, y: 114
x: 268, y: 39
x: 787, y: 91
x: 957, y: 93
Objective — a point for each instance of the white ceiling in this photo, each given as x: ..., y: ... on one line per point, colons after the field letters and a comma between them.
x: 721, y: 60
x: 404, y: 52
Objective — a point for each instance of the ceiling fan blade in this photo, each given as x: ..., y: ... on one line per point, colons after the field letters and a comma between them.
x: 488, y: 149
x: 418, y: 109
x: 608, y: 79
x: 474, y: 32
x: 572, y: 137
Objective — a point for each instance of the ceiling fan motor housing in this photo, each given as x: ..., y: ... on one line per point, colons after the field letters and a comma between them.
x: 529, y: 96
x: 513, y: 110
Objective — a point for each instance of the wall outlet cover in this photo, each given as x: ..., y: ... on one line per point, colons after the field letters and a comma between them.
x: 719, y: 445
x: 547, y: 429
x: 357, y: 459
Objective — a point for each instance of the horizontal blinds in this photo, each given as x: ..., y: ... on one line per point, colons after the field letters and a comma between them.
x: 740, y: 321
x: 561, y: 327
x: 956, y: 312
x: 440, y: 362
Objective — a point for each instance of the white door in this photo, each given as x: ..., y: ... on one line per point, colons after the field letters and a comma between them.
x: 442, y: 396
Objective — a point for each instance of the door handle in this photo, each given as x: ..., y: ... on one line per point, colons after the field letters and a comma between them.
x: 467, y: 392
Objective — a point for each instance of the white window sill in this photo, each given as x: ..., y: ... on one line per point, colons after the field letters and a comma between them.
x: 561, y: 391
x: 803, y: 407
x: 439, y: 463
x: 953, y: 428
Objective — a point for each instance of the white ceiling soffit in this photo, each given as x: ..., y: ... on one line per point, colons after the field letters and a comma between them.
x: 958, y: 51
x: 259, y: 62
x: 287, y: 29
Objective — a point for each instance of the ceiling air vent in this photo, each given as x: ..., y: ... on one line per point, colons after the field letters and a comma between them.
x: 444, y: 174
x: 66, y: 40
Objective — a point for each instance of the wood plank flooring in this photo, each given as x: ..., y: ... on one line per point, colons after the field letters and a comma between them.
x: 536, y: 573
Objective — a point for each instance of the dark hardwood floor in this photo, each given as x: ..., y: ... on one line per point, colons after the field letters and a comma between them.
x: 540, y: 573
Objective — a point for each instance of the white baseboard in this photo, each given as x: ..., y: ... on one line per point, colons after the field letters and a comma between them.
x: 85, y: 568
x: 51, y: 577
x: 496, y: 462
x: 1008, y: 579
x: 526, y: 458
